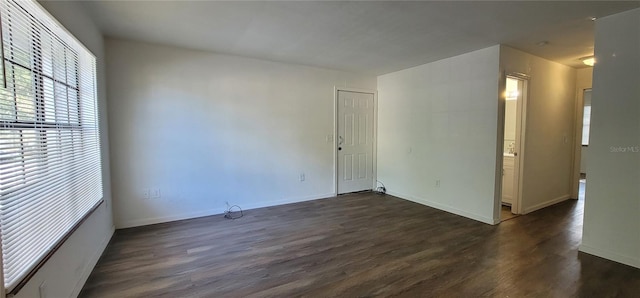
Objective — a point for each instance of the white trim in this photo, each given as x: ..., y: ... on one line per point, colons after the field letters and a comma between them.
x: 337, y: 89
x: 216, y: 211
x: 547, y: 203
x: 88, y: 268
x: 359, y: 90
x: 521, y: 128
x: 287, y: 201
x: 577, y: 141
x: 335, y: 141
x: 499, y: 170
x: 517, y: 205
x: 607, y: 254
x: 374, y: 162
x: 445, y: 208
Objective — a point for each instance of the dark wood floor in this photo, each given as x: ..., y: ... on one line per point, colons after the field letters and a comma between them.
x: 505, y: 213
x: 359, y: 245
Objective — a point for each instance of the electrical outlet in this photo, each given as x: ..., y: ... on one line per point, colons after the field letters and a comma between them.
x: 302, y: 177
x: 437, y: 182
x: 146, y: 194
x: 155, y: 193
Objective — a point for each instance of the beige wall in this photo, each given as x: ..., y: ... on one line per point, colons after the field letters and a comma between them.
x: 510, y: 115
x: 612, y: 203
x: 550, y: 128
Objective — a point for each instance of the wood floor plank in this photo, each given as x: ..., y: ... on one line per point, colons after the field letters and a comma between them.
x: 359, y: 245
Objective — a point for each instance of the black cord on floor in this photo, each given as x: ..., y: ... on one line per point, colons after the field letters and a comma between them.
x: 229, y: 213
x: 381, y: 189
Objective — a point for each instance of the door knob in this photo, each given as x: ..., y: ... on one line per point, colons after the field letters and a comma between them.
x: 339, y: 148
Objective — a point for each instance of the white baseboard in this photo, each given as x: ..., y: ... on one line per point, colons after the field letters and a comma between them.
x: 91, y: 263
x: 547, y: 203
x: 162, y: 219
x: 613, y: 256
x: 446, y: 208
x: 286, y: 201
x: 209, y: 212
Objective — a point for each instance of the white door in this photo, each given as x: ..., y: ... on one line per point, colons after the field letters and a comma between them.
x: 355, y: 141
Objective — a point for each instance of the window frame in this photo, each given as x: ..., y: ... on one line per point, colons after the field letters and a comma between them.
x: 50, y: 126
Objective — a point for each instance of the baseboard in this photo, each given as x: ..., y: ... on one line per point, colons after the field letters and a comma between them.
x: 446, y: 208
x: 91, y: 263
x: 547, y: 203
x: 609, y: 255
x: 287, y: 201
x: 209, y: 212
x: 162, y: 219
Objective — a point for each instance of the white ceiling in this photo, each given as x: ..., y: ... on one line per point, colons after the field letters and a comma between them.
x: 366, y: 36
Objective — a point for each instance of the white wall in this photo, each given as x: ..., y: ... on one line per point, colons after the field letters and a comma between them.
x: 205, y: 128
x: 550, y: 127
x: 612, y: 203
x: 65, y: 273
x: 438, y: 121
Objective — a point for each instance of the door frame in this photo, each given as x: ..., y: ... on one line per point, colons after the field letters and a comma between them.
x: 577, y: 141
x: 374, y: 156
x: 521, y: 118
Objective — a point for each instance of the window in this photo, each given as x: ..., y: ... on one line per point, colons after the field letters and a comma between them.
x: 50, y: 172
x: 586, y: 117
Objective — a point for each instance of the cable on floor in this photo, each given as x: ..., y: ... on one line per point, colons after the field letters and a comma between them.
x: 380, y: 189
x: 229, y: 213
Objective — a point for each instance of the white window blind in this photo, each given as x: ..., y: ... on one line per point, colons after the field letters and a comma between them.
x: 50, y: 172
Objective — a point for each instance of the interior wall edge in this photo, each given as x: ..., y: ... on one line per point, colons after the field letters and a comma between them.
x: 609, y: 255
x: 446, y: 208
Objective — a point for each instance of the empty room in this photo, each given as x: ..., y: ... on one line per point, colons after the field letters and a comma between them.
x: 319, y: 148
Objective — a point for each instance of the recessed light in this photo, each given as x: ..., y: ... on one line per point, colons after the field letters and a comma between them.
x: 589, y: 60
x: 593, y: 18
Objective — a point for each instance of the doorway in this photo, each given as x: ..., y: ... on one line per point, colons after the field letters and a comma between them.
x: 586, y: 125
x: 355, y: 141
x: 513, y: 147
